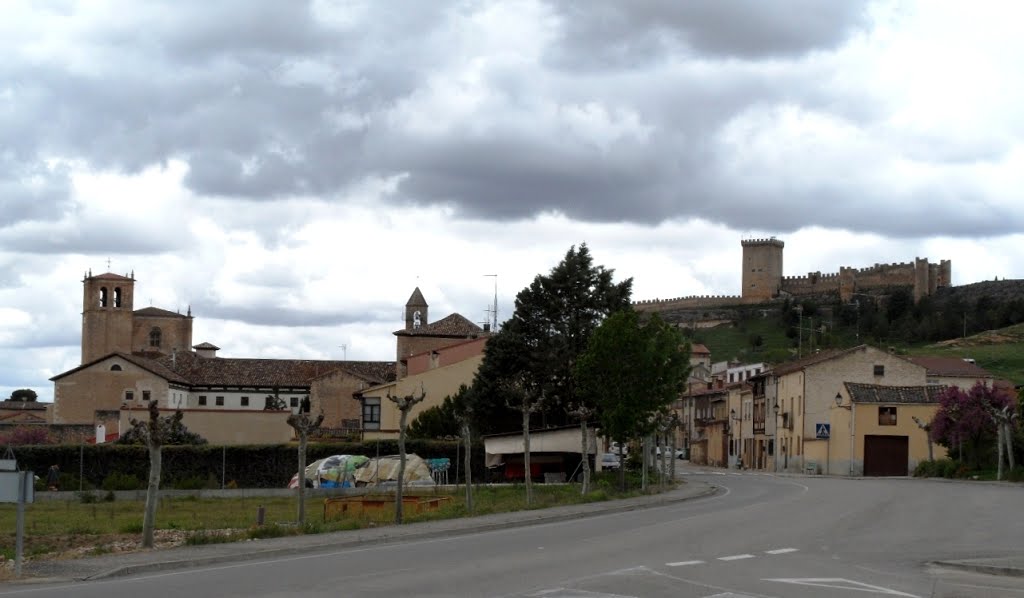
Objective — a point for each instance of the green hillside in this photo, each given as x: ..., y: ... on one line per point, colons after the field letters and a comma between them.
x: 999, y: 351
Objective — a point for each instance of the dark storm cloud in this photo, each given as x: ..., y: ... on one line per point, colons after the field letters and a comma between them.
x: 608, y: 33
x: 265, y: 101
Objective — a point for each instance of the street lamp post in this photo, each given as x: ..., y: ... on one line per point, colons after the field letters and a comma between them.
x: 778, y: 445
x: 739, y: 444
x: 839, y: 405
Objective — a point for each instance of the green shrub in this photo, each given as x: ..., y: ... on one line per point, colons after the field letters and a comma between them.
x: 192, y: 483
x: 131, y: 528
x: 1016, y: 474
x: 109, y: 496
x: 86, y: 497
x: 203, y: 537
x: 925, y: 469
x: 270, y: 531
x: 120, y: 481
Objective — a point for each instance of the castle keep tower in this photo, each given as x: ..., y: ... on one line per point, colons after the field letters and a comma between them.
x: 106, y: 315
x: 762, y: 268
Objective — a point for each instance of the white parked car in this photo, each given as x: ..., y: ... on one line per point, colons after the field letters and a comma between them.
x: 610, y: 461
x: 680, y: 453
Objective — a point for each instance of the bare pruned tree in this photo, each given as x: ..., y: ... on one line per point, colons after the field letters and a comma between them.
x: 527, y: 403
x: 153, y: 432
x: 583, y: 414
x: 303, y: 424
x: 405, y: 405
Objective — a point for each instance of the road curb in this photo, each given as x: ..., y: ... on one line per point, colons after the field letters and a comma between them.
x: 975, y: 567
x: 521, y: 519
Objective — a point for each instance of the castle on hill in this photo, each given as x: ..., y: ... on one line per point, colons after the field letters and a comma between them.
x: 763, y: 280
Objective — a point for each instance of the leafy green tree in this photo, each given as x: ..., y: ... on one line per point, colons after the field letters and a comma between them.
x: 553, y: 320
x: 440, y: 421
x: 26, y: 395
x: 632, y: 371
x: 529, y: 366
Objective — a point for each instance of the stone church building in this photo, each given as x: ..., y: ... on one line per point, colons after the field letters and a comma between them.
x: 131, y: 357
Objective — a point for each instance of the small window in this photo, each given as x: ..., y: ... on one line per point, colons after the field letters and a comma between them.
x: 887, y: 416
x: 115, y: 368
x: 145, y: 395
x: 202, y: 399
x: 295, y: 401
x: 220, y: 401
x: 155, y: 336
x: 371, y: 413
x: 129, y: 395
x: 245, y: 401
x: 879, y: 370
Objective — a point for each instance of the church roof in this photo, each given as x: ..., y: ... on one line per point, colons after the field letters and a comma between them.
x: 205, y: 345
x: 228, y: 371
x: 416, y: 299
x: 150, y: 365
x: 453, y: 326
x: 156, y: 312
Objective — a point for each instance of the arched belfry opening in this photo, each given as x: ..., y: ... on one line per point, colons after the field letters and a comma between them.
x: 117, y: 296
x: 103, y: 296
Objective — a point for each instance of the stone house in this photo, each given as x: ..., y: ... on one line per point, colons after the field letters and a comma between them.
x: 874, y: 432
x: 805, y: 393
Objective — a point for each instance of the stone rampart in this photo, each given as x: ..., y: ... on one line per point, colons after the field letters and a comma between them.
x: 691, y: 302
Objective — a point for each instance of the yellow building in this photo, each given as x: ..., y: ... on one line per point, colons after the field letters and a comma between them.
x: 873, y: 431
x: 439, y: 373
x: 805, y: 393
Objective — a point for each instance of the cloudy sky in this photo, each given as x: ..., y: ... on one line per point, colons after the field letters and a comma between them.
x: 293, y: 170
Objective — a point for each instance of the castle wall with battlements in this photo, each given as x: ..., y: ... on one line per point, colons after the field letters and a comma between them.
x: 763, y: 280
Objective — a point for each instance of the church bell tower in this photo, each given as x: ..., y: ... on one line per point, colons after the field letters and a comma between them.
x: 107, y: 301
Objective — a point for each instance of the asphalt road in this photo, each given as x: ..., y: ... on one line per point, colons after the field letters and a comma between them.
x: 760, y: 535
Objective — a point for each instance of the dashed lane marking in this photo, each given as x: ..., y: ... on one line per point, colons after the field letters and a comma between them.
x: 684, y: 563
x: 780, y: 551
x: 736, y: 557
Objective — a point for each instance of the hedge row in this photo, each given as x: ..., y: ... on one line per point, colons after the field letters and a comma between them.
x: 265, y: 466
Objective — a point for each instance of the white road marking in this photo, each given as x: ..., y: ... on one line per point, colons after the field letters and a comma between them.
x: 842, y: 584
x: 574, y: 593
x: 684, y: 563
x: 780, y: 551
x: 736, y: 557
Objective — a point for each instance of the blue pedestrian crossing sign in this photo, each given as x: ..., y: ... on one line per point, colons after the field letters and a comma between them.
x: 822, y: 431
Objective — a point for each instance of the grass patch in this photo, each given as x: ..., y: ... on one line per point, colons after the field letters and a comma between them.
x: 54, y: 526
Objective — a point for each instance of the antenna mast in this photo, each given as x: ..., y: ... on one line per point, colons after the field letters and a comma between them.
x: 494, y: 309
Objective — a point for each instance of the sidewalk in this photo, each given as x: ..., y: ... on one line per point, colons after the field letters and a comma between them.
x: 181, y: 557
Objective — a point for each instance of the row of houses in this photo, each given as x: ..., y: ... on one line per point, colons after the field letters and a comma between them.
x: 848, y: 412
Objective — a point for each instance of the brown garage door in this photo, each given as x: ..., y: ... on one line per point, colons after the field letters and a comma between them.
x: 885, y: 455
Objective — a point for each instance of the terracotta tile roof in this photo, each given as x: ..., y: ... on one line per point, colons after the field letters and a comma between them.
x: 950, y: 366
x: 226, y: 371
x: 699, y: 349
x: 795, y: 366
x: 22, y: 406
x: 157, y: 312
x: 876, y: 393
x: 454, y: 326
x: 146, y: 363
x: 416, y: 299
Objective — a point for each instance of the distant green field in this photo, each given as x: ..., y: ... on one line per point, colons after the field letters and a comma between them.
x: 998, y: 351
